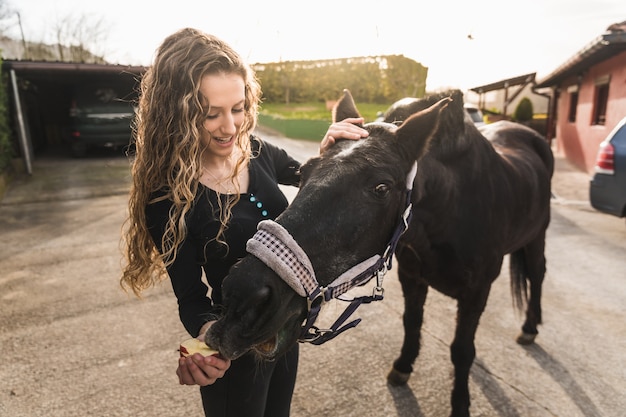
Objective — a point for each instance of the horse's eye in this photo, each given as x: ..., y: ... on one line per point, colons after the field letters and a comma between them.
x: 381, y: 190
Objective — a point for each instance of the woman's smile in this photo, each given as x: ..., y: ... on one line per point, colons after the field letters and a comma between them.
x: 223, y: 141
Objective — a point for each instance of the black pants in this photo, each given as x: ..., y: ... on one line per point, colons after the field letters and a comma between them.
x: 253, y: 388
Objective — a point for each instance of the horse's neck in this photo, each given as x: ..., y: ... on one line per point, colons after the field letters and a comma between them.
x: 466, y: 156
x: 450, y: 143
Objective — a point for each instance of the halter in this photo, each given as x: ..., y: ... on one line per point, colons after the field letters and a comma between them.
x: 275, y: 247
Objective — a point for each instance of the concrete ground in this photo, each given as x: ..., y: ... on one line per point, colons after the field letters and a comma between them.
x: 73, y: 344
x: 106, y: 173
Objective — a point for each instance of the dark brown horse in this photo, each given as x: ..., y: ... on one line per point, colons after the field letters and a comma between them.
x: 477, y: 196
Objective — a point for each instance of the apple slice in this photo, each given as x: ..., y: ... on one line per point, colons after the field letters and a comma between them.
x: 190, y: 346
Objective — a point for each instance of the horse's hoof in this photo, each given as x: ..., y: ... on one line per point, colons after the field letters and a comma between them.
x: 526, y: 338
x: 397, y: 378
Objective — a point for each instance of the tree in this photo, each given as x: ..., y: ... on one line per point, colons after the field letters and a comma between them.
x: 6, y: 15
x: 6, y: 151
x: 80, y: 38
x: 404, y: 77
x: 524, y: 110
x: 72, y: 38
x: 372, y: 79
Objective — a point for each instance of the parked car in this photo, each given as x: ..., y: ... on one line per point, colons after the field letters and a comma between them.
x: 99, y: 117
x: 475, y: 114
x: 607, y: 190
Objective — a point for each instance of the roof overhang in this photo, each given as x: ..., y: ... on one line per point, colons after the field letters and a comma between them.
x: 53, y: 71
x: 600, y: 49
x: 509, y: 82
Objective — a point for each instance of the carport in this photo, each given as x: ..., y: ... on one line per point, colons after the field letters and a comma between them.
x: 40, y: 95
x: 519, y: 82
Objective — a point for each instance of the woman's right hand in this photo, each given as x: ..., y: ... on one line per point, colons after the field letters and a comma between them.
x: 345, y: 129
x: 201, y: 370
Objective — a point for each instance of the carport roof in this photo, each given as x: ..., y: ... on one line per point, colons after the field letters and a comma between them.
x: 600, y: 49
x: 53, y: 71
x: 501, y: 85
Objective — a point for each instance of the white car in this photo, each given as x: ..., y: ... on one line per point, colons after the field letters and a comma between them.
x: 475, y: 114
x: 473, y: 111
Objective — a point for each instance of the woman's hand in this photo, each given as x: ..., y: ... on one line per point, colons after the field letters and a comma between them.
x: 201, y: 370
x: 345, y: 129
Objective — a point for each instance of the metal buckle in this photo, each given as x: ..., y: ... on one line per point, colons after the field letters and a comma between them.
x: 380, y: 275
x: 320, y: 332
x: 314, y: 334
x: 318, y: 300
x: 378, y: 291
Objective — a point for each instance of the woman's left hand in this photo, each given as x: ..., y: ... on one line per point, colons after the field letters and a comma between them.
x: 201, y: 370
x: 345, y: 129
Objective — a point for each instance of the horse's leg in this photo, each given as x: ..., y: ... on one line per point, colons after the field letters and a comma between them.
x: 463, y: 351
x: 535, y: 266
x: 414, y: 291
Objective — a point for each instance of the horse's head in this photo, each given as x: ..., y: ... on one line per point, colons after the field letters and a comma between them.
x: 346, y: 210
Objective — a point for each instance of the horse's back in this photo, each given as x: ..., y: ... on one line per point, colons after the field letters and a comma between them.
x: 523, y: 181
x: 499, y: 188
x: 514, y: 138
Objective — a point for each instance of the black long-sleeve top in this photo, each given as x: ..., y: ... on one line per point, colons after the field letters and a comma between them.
x: 268, y: 167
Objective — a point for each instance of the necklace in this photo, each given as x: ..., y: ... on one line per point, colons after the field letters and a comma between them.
x: 226, y: 183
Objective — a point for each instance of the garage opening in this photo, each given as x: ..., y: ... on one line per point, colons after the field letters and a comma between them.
x: 47, y: 98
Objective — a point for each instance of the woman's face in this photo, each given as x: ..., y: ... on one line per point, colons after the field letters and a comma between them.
x: 223, y: 99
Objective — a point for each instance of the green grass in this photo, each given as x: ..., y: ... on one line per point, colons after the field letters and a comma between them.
x: 308, y: 121
x: 316, y: 111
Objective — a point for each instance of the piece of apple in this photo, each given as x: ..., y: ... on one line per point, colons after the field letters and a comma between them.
x: 190, y: 346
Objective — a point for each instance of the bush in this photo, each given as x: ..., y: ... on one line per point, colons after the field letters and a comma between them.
x: 6, y: 151
x: 524, y: 110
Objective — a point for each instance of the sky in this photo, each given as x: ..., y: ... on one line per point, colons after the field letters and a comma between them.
x: 464, y: 43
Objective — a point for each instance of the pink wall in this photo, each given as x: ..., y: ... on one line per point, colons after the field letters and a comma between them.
x: 579, y: 140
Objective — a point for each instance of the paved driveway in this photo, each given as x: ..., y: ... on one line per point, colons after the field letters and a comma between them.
x: 73, y: 344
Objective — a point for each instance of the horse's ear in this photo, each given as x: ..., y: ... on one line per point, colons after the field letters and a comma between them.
x: 345, y: 108
x: 415, y: 133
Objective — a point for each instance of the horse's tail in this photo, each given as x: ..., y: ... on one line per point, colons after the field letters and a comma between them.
x: 519, y: 271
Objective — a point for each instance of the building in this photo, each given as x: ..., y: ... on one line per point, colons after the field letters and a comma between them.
x: 588, y: 97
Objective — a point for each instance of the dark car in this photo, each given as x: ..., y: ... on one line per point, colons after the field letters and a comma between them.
x: 99, y: 117
x: 607, y: 190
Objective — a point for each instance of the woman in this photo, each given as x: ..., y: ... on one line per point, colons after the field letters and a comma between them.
x: 201, y: 183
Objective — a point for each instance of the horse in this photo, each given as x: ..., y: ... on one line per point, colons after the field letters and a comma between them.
x: 472, y: 197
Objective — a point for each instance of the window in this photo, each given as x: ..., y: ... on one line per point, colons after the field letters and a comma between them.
x: 601, y: 100
x: 573, y: 103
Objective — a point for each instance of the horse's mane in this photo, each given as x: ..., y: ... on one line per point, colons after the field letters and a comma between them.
x: 454, y: 114
x: 455, y: 132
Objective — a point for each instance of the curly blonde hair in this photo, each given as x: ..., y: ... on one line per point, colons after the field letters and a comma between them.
x: 168, y: 149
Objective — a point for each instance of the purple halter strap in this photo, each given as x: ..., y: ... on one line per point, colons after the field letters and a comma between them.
x: 275, y: 247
